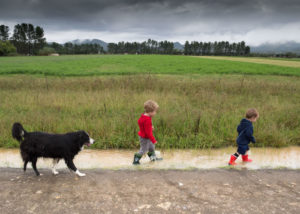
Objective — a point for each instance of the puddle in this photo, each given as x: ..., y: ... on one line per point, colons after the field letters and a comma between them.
x: 173, y: 159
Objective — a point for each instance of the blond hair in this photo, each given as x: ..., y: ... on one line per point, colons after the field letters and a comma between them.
x: 251, y: 113
x: 150, y: 106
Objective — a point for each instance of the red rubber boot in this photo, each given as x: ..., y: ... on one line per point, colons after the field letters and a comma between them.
x: 232, y: 160
x: 246, y: 159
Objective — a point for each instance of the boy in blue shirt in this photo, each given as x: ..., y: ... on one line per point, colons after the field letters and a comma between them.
x: 245, y: 130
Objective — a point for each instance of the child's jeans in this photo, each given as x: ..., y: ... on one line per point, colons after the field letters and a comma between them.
x: 146, y: 146
x: 243, y: 149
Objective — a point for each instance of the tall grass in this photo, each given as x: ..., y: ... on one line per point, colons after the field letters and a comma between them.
x: 95, y: 65
x: 195, y: 111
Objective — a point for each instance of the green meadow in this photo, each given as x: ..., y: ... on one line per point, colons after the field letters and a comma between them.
x: 96, y: 65
x: 201, y: 100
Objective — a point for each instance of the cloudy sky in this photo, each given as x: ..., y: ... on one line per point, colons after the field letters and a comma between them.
x: 254, y: 21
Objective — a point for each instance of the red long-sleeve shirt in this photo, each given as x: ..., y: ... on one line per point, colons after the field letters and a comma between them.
x: 145, y: 124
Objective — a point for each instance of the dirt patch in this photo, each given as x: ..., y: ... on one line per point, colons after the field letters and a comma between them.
x: 294, y: 64
x: 151, y: 191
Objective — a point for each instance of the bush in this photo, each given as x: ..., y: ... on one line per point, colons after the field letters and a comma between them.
x: 7, y: 49
x: 46, y: 51
x: 291, y: 55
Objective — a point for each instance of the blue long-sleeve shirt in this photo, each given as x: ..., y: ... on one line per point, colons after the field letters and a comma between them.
x: 245, y: 130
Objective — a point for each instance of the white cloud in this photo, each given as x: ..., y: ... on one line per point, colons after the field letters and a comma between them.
x: 289, y: 32
x: 65, y: 36
x: 256, y: 21
x: 280, y: 34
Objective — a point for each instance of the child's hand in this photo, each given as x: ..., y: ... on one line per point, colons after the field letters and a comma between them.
x: 152, y: 127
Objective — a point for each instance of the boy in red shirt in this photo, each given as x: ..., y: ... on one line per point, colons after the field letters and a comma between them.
x: 147, y: 140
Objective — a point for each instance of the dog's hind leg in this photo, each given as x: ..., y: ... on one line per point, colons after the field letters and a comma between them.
x: 25, y: 158
x: 71, y: 166
x: 55, y: 162
x: 25, y: 165
x: 33, y: 161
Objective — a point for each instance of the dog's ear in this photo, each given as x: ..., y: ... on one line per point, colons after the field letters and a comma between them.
x: 80, y: 134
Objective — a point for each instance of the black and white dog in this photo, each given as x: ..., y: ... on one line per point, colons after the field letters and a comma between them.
x: 57, y: 146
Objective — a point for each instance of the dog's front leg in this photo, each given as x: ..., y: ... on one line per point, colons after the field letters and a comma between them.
x: 34, y: 160
x: 79, y: 173
x: 71, y: 166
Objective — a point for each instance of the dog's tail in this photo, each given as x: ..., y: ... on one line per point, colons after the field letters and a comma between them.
x: 18, y: 132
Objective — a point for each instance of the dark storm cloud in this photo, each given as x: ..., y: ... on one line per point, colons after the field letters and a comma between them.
x: 152, y: 17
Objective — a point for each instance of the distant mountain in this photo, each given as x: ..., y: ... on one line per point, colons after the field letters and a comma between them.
x: 277, y: 48
x: 178, y: 46
x: 90, y: 41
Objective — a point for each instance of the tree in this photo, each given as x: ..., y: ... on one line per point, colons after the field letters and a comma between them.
x: 247, y: 50
x: 4, y: 32
x: 242, y: 48
x: 187, y: 48
x: 39, y: 40
x: 194, y: 47
x: 6, y: 48
x: 28, y: 39
x: 290, y: 55
x: 201, y: 48
x: 216, y: 48
x: 57, y: 47
x: 234, y: 49
x: 69, y: 48
x: 19, y: 38
x: 238, y: 49
x: 226, y: 51
x: 208, y: 48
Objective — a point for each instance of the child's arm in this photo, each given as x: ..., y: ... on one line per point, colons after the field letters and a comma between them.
x: 149, y: 132
x: 249, y: 134
x: 238, y: 129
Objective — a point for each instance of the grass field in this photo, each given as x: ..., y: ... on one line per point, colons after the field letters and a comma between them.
x: 284, y: 59
x: 91, y: 65
x: 196, y: 111
x: 201, y: 100
x: 294, y: 62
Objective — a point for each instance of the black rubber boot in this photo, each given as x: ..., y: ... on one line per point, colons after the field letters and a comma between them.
x: 153, y: 157
x: 136, y: 159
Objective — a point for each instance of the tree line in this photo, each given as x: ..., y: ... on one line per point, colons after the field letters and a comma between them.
x: 70, y: 48
x: 147, y: 47
x: 223, y: 48
x: 28, y: 39
x: 150, y: 46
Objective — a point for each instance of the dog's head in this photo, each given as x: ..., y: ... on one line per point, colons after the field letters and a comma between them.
x: 85, y: 139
